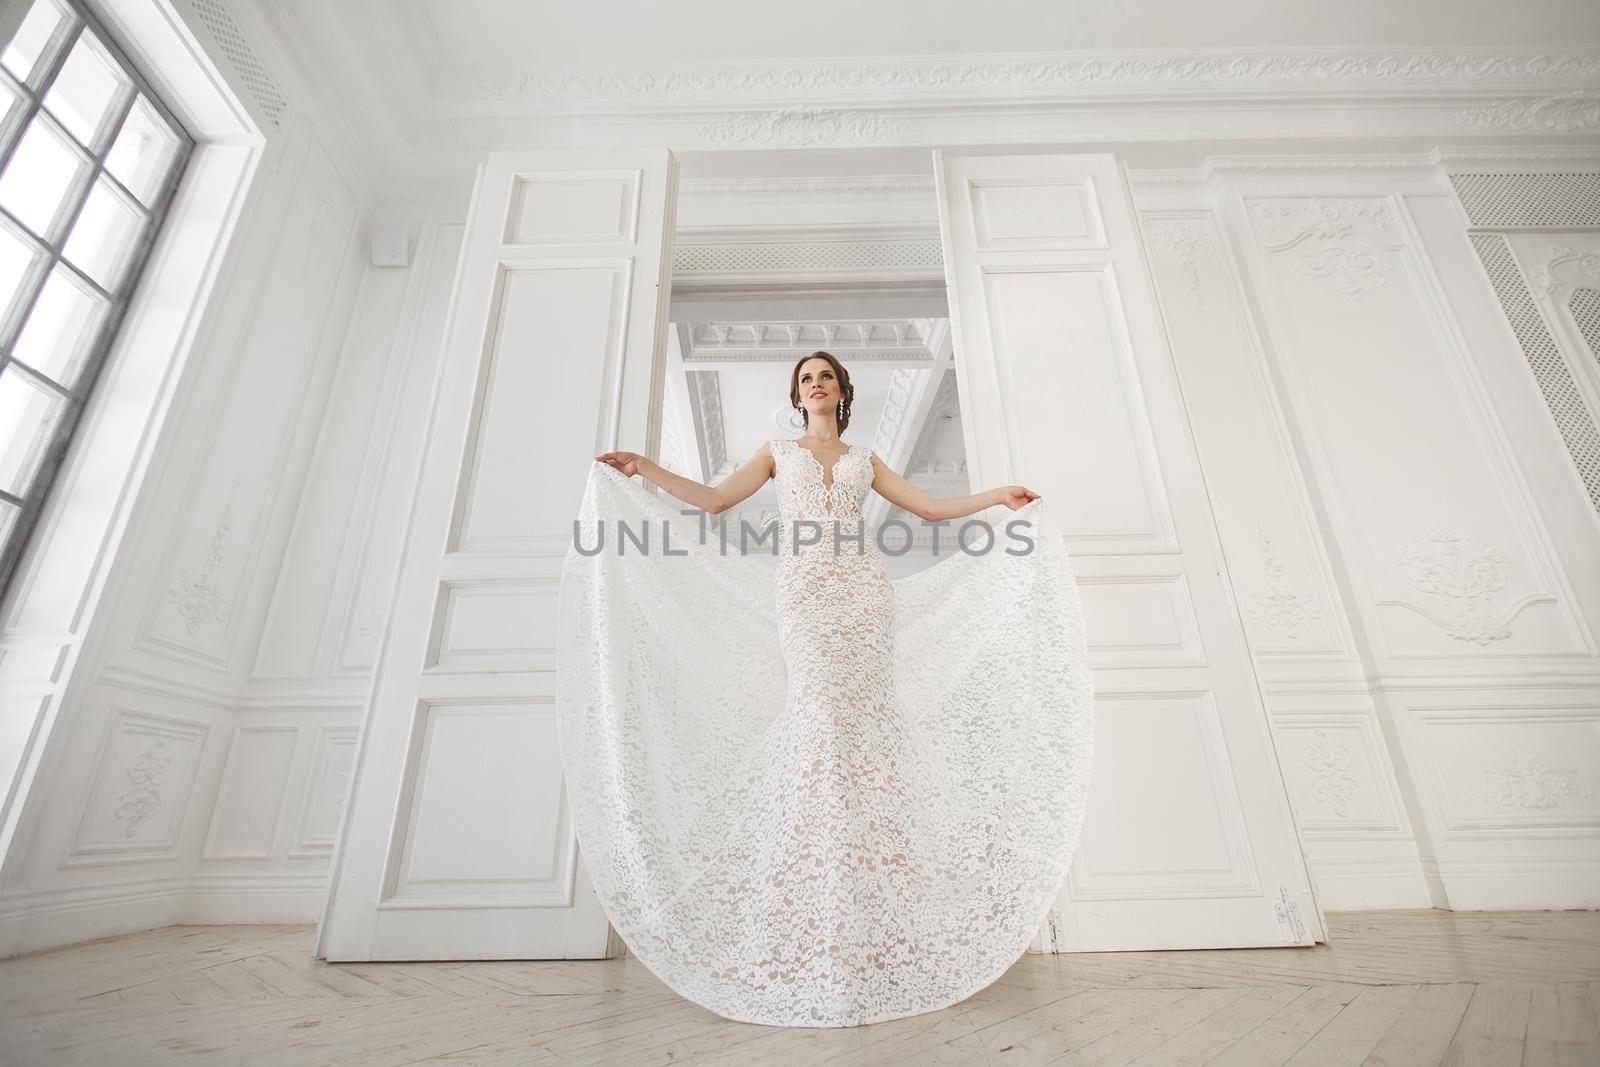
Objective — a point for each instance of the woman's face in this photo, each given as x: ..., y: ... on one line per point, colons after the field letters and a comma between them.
x: 819, y: 386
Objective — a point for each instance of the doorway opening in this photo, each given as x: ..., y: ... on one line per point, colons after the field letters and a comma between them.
x: 778, y: 254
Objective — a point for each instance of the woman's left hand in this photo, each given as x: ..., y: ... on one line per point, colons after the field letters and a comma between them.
x: 1017, y: 496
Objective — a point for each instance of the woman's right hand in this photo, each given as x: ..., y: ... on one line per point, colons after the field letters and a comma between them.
x: 626, y: 462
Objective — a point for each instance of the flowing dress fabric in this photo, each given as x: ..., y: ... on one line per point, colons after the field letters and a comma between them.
x: 808, y: 794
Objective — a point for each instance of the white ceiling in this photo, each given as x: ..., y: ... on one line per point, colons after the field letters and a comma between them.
x: 420, y: 89
x: 523, y: 36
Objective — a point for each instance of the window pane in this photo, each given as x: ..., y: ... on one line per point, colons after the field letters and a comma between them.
x: 33, y: 37
x: 41, y: 172
x: 16, y: 257
x: 59, y: 330
x: 104, y: 234
x: 10, y: 101
x: 143, y: 151
x: 86, y: 89
x: 27, y: 417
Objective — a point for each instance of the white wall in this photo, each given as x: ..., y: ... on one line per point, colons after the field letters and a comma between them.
x: 187, y: 683
x: 1414, y: 553
x: 189, y: 662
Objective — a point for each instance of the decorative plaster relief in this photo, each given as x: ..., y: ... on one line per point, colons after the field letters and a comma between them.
x: 199, y: 598
x: 1546, y: 280
x: 1568, y: 113
x: 801, y: 126
x: 1465, y: 575
x: 137, y: 799
x: 1338, y: 239
x: 1331, y: 782
x: 371, y: 621
x: 1183, y: 243
x: 1280, y: 607
x: 147, y: 771
x: 784, y: 337
x: 1520, y: 780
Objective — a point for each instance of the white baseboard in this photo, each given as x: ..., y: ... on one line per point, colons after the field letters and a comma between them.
x: 31, y: 922
x: 1521, y: 885
x: 46, y: 919
x: 1371, y: 885
x: 53, y: 918
x: 286, y: 899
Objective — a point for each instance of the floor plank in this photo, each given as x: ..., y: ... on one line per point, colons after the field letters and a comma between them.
x: 1400, y: 987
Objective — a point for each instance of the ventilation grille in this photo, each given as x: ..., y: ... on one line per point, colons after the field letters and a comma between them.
x: 215, y: 14
x: 1585, y: 310
x: 808, y: 257
x: 1573, y: 421
x: 1504, y: 201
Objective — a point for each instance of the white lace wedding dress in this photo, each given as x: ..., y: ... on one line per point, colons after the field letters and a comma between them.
x: 808, y: 794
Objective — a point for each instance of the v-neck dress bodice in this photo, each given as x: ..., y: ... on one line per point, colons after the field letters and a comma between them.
x: 807, y: 491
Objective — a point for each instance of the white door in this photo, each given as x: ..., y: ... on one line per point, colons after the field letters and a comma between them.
x: 1067, y: 386
x: 458, y: 843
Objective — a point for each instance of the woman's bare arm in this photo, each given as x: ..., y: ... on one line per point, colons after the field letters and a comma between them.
x: 714, y: 499
x: 895, y: 489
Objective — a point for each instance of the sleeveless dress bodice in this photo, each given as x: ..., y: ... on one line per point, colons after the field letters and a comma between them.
x: 802, y: 493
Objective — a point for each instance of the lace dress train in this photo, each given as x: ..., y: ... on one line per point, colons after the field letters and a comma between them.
x: 809, y: 794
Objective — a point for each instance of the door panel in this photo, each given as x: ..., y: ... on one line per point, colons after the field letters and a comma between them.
x: 1069, y: 388
x: 459, y: 842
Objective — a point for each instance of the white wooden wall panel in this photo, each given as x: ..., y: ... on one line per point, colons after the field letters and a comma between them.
x: 1068, y: 387
x: 198, y: 607
x: 335, y: 500
x: 1329, y: 742
x: 1425, y: 484
x: 1467, y: 572
x: 138, y: 803
x: 325, y: 793
x: 248, y: 811
x: 395, y: 453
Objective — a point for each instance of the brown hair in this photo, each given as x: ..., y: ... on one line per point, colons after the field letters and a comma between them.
x: 847, y: 392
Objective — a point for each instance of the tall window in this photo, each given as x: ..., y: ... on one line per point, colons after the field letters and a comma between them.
x: 89, y: 160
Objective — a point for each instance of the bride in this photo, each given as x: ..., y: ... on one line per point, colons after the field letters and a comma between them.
x: 809, y: 794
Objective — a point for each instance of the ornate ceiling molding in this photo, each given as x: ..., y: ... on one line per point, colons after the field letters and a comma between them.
x: 801, y: 126
x: 1571, y: 113
x: 897, y: 409
x: 705, y: 406
x: 1519, y: 158
x: 895, y: 339
x: 1031, y: 73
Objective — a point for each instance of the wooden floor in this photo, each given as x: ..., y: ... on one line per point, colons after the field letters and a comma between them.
x: 1401, y: 987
